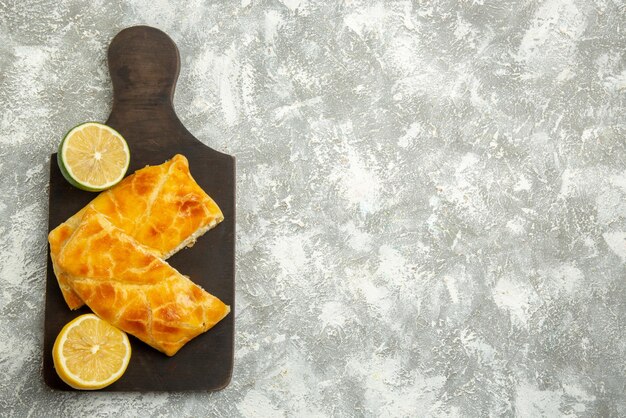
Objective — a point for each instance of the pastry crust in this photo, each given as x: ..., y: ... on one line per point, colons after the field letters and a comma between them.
x: 126, y: 284
x: 161, y: 207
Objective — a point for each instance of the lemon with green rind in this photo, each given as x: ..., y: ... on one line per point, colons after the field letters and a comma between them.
x: 93, y: 157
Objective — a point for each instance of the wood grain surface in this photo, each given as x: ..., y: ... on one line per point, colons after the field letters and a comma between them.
x: 144, y: 64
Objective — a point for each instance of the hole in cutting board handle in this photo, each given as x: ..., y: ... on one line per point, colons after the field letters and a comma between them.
x: 144, y: 64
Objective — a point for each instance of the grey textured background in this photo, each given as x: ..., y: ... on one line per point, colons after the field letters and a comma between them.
x: 431, y: 199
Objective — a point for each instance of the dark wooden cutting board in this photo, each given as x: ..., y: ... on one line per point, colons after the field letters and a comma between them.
x: 144, y: 64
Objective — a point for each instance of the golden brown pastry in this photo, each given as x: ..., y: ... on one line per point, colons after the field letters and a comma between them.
x: 126, y: 284
x: 162, y: 207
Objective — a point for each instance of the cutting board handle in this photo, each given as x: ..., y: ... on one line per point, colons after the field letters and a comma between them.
x: 144, y: 64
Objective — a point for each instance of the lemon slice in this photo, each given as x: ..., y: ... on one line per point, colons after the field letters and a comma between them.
x: 93, y: 157
x: 89, y: 353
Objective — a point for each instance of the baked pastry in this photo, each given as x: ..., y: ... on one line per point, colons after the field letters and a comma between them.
x: 129, y: 286
x: 162, y: 207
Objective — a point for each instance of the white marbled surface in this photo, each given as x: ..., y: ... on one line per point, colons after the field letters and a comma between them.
x: 431, y: 199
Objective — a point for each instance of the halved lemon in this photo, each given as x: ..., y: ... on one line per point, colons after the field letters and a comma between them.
x: 93, y: 157
x: 90, y: 354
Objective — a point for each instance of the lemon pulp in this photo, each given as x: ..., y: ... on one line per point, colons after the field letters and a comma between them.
x: 93, y: 156
x: 89, y: 353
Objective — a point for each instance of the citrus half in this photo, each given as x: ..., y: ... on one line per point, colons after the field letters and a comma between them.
x: 90, y: 354
x: 93, y: 156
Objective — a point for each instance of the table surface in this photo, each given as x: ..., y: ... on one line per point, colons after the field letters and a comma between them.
x: 431, y: 199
